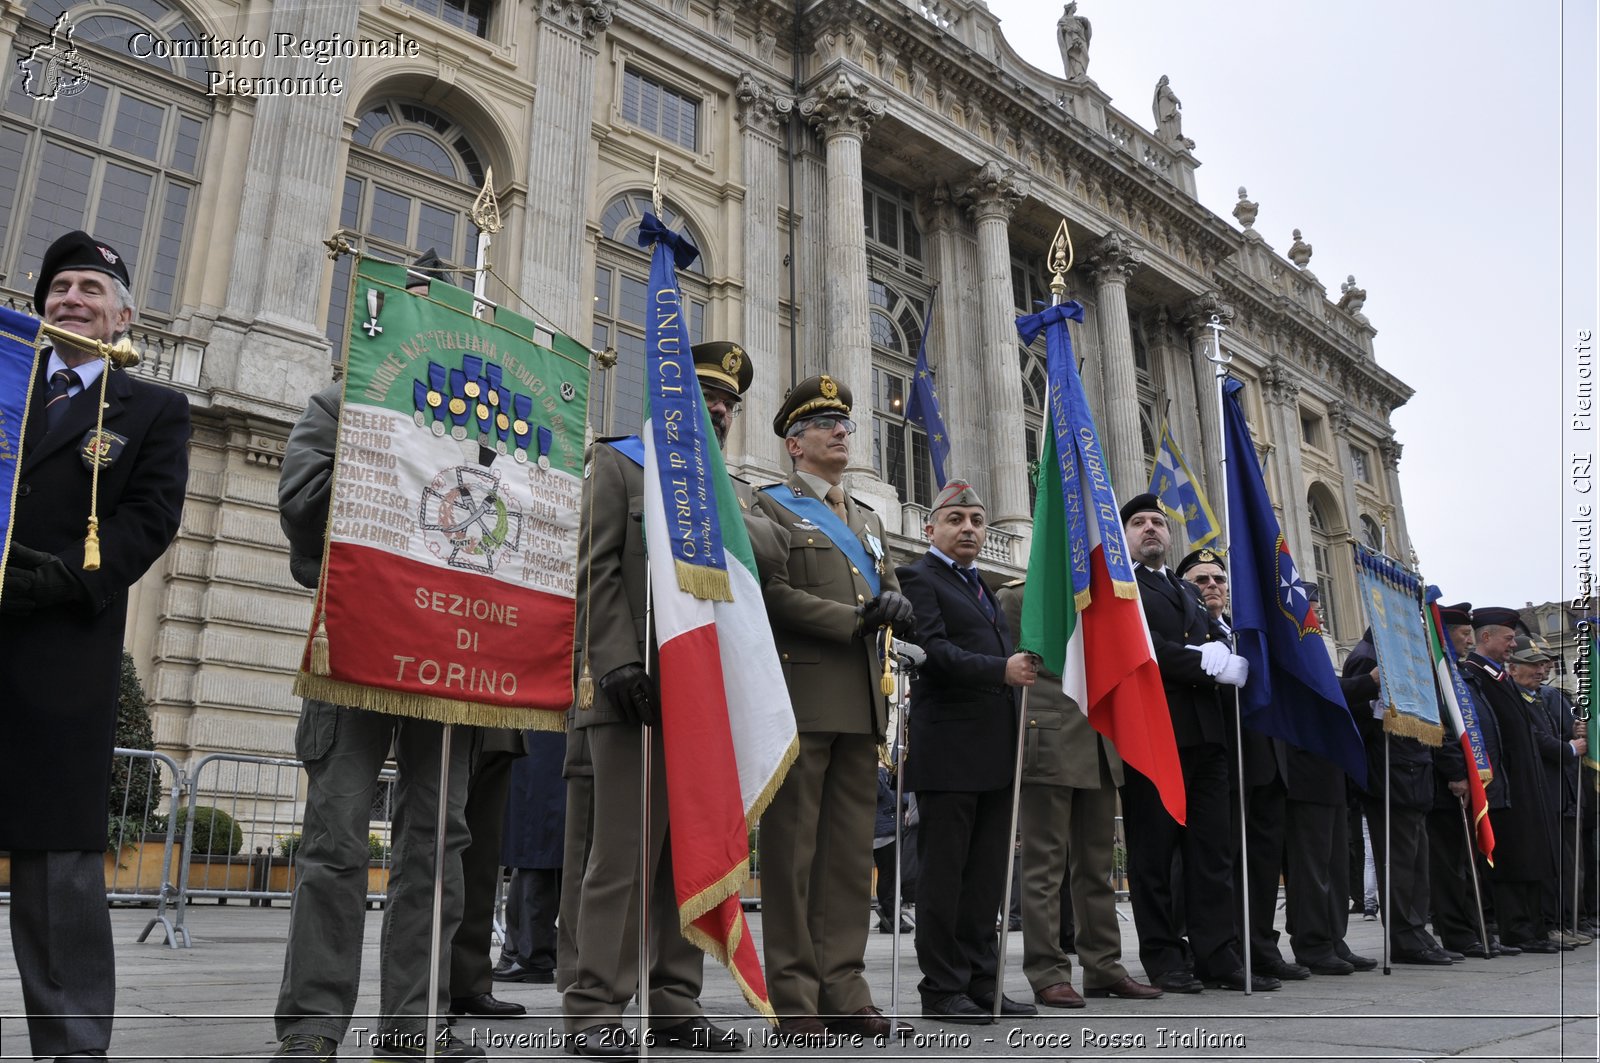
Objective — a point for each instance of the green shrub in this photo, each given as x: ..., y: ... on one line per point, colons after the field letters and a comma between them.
x: 135, y: 784
x: 288, y: 844
x: 379, y: 851
x: 121, y: 831
x: 215, y: 832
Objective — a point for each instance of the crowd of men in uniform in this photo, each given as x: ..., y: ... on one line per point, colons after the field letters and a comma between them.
x: 831, y: 590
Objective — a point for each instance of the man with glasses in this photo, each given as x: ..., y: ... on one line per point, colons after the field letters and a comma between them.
x: 827, y: 606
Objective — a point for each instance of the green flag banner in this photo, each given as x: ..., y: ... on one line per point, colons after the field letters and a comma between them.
x: 451, y: 567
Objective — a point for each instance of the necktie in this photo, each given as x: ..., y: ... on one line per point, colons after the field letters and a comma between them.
x: 973, y: 581
x: 55, y: 399
x: 835, y: 500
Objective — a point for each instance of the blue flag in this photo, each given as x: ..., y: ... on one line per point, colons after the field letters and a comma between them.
x: 1292, y: 693
x: 19, y: 356
x: 922, y: 409
x: 1179, y: 495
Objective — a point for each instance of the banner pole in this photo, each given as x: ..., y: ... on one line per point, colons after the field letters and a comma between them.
x: 1472, y: 872
x: 1388, y: 852
x: 441, y: 821
x: 646, y: 743
x: 1011, y: 859
x: 898, y: 767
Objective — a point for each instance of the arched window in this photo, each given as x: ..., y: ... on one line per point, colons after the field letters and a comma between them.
x: 110, y: 140
x: 1323, y: 540
x: 1371, y: 533
x: 621, y: 290
x: 412, y: 178
x: 899, y: 449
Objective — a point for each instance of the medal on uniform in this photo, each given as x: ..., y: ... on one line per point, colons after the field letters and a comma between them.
x: 876, y: 546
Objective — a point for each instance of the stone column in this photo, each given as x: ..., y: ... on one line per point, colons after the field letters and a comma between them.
x: 1399, y: 536
x: 947, y: 242
x: 992, y: 197
x: 268, y: 346
x: 1195, y: 317
x: 1111, y: 262
x: 761, y: 114
x: 1339, y: 415
x: 843, y: 110
x: 1282, y: 392
x: 559, y: 161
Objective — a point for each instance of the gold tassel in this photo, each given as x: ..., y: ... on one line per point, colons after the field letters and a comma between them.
x: 707, y: 584
x: 91, y: 546
x: 320, y: 664
x: 585, y: 688
x: 886, y: 683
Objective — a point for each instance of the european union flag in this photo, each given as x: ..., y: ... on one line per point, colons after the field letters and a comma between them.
x: 1292, y: 693
x: 1179, y: 495
x: 922, y: 409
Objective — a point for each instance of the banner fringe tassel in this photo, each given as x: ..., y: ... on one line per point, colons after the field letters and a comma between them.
x: 320, y: 664
x: 1398, y: 723
x: 424, y: 707
x: 707, y: 584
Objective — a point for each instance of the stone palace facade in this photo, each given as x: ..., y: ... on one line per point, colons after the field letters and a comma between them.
x: 838, y: 163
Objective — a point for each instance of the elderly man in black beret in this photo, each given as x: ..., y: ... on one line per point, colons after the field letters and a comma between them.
x: 61, y: 627
x: 1196, y: 665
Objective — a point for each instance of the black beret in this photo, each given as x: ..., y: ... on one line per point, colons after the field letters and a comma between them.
x: 723, y: 364
x: 1144, y: 503
x: 1203, y: 556
x: 78, y: 250
x: 817, y: 396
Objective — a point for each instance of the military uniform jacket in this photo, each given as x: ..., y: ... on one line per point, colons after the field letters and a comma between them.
x: 1177, y: 620
x: 963, y: 729
x: 832, y: 671
x: 60, y: 667
x: 1060, y: 748
x: 613, y: 570
x: 1522, y: 822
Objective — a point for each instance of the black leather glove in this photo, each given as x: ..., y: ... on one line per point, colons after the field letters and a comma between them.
x: 890, y: 607
x: 633, y: 692
x: 36, y: 580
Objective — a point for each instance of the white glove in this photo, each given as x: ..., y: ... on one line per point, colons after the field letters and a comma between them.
x: 1235, y: 671
x: 1213, y: 656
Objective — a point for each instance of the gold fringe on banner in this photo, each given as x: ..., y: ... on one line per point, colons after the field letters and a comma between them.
x: 1398, y: 723
x: 424, y: 707
x: 707, y: 584
x: 320, y: 662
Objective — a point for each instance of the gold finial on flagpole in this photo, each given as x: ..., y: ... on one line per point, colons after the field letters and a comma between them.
x: 1060, y: 261
x: 485, y: 212
x: 655, y: 187
x: 121, y: 353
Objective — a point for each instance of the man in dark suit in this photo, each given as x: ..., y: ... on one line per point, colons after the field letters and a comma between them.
x: 961, y: 761
x: 61, y: 628
x: 827, y: 605
x: 613, y: 574
x: 1194, y: 665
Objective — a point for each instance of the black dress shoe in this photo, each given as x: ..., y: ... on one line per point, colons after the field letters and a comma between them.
x: 1500, y: 948
x: 1234, y: 979
x: 609, y: 1040
x: 1360, y: 963
x: 1475, y: 950
x: 1331, y: 966
x: 517, y: 971
x: 698, y: 1034
x: 1178, y: 981
x: 1008, y: 1007
x: 1284, y: 970
x: 1540, y: 946
x: 486, y: 1004
x: 957, y: 1008
x: 1423, y: 957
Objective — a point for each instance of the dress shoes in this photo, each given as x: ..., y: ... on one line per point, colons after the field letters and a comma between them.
x: 1500, y: 948
x: 1542, y: 945
x: 957, y: 1008
x: 1181, y: 980
x: 1283, y: 970
x: 486, y: 1004
x: 1234, y: 979
x: 517, y: 971
x: 1060, y: 995
x: 1331, y: 966
x: 1423, y: 957
x: 868, y: 1022
x: 1360, y: 963
x: 1475, y: 951
x: 1455, y: 957
x: 1013, y: 1009
x: 886, y: 926
x: 1126, y: 988
x: 608, y: 1040
x: 698, y: 1034
x: 801, y: 1028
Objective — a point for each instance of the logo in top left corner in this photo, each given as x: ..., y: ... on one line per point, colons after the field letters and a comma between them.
x: 55, y: 69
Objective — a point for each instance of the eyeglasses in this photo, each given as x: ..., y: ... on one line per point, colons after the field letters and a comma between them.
x: 828, y: 424
x: 729, y: 402
x: 1203, y: 580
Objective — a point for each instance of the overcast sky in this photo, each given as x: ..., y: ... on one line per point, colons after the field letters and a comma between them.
x: 1418, y: 145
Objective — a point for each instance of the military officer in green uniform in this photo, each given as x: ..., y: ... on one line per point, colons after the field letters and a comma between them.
x: 827, y: 606
x: 612, y: 577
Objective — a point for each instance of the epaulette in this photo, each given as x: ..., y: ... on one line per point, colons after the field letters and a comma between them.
x: 1019, y: 581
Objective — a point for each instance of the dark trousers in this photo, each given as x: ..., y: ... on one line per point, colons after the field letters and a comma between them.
x: 1356, y: 851
x: 487, y: 788
x: 61, y: 937
x: 962, y: 850
x: 574, y: 859
x: 1315, y: 889
x: 1264, y: 829
x: 532, y: 901
x: 1517, y: 910
x: 883, y: 858
x: 1450, y: 864
x: 1404, y: 903
x: 1208, y: 849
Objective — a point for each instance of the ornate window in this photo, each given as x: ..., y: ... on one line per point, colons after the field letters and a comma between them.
x: 114, y: 148
x: 1371, y: 533
x: 621, y: 291
x: 1324, y: 542
x: 891, y: 228
x: 660, y: 110
x: 899, y: 449
x: 469, y: 15
x: 412, y: 178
